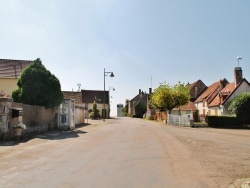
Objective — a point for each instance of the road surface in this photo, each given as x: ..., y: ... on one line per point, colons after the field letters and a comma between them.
x: 127, y: 152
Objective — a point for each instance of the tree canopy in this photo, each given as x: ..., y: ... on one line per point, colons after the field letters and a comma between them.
x: 37, y: 86
x: 167, y: 97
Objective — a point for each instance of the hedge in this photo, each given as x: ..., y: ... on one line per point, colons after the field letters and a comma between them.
x: 227, y: 121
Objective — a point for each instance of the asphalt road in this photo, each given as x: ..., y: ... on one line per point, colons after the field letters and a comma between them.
x: 128, y: 152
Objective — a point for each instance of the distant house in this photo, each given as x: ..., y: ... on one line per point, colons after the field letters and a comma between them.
x: 10, y: 71
x: 208, y: 96
x: 139, y: 104
x: 89, y: 96
x: 219, y: 105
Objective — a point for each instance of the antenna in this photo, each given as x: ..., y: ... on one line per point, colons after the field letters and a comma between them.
x: 238, y: 59
x: 79, y: 87
x: 151, y: 80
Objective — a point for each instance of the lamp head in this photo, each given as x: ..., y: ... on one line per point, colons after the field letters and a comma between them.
x: 112, y: 75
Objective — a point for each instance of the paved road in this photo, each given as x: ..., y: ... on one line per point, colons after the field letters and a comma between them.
x: 128, y: 152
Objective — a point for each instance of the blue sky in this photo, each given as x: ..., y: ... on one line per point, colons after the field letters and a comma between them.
x: 170, y: 40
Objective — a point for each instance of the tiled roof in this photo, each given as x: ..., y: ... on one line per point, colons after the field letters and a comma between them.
x: 210, y: 90
x: 89, y: 96
x: 189, y: 106
x: 77, y: 96
x: 12, y: 68
x: 222, y: 95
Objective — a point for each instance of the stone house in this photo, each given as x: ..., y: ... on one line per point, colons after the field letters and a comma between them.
x: 139, y: 104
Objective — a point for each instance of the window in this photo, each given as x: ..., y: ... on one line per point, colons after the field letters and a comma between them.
x: 216, y: 112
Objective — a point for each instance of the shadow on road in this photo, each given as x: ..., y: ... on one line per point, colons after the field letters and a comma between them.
x: 50, y: 135
x: 59, y: 135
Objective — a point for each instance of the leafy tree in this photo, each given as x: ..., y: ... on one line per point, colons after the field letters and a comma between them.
x: 167, y: 97
x: 125, y: 109
x: 240, y: 106
x: 37, y: 86
x: 181, y: 94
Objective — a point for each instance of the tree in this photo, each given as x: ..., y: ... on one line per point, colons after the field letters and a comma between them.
x: 125, y: 109
x: 37, y: 86
x: 95, y: 112
x: 167, y: 97
x: 240, y: 106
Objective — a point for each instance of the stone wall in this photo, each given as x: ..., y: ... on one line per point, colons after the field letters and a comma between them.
x: 35, y: 118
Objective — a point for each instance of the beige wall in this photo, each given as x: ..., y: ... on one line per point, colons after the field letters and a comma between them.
x: 8, y: 85
x: 79, y: 115
x: 36, y: 118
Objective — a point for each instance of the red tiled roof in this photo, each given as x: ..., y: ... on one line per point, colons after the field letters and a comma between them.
x: 10, y: 68
x: 226, y: 91
x: 189, y: 106
x: 209, y: 91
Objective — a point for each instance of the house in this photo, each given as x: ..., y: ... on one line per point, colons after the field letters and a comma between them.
x: 219, y: 105
x: 196, y: 89
x: 10, y: 71
x: 89, y: 96
x: 208, y: 96
x: 139, y: 104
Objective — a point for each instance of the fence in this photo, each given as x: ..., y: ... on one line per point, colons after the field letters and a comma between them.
x: 183, y: 120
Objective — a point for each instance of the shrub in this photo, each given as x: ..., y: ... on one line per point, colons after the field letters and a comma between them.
x: 37, y: 86
x: 240, y: 106
x: 224, y: 121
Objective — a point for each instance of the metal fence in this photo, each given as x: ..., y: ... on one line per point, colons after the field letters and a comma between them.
x: 183, y: 120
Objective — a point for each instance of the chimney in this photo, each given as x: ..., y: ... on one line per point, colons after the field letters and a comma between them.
x: 150, y: 91
x: 139, y: 91
x: 237, y: 75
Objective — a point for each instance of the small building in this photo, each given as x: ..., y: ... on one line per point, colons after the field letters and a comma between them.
x: 119, y: 110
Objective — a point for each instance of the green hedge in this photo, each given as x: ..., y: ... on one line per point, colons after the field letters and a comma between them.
x: 227, y: 121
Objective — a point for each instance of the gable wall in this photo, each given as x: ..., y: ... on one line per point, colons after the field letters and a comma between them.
x: 8, y: 85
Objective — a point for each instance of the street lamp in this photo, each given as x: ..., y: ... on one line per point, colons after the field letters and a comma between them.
x: 104, y: 109
x: 239, y: 58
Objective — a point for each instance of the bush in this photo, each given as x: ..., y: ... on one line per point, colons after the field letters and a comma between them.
x: 240, y: 106
x: 227, y: 121
x: 37, y: 86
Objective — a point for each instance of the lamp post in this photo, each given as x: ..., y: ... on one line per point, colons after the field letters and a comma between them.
x: 104, y: 109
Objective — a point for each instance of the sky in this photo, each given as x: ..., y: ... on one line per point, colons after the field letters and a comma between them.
x: 143, y: 42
